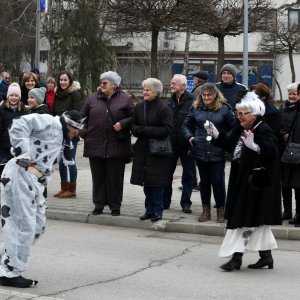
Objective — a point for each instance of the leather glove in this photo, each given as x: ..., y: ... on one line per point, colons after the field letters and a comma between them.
x: 23, y: 162
x: 211, y: 129
x: 248, y: 140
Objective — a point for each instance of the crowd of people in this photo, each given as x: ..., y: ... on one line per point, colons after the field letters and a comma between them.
x: 204, y: 128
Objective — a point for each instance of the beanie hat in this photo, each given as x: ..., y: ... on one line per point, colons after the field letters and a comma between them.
x: 201, y: 75
x: 35, y: 70
x: 38, y: 94
x: 230, y: 68
x: 14, y: 89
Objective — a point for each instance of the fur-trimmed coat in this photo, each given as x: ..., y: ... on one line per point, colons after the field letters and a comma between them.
x: 247, y: 206
x: 70, y: 99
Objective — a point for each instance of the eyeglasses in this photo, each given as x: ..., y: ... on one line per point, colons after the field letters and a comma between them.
x: 104, y: 83
x: 240, y: 114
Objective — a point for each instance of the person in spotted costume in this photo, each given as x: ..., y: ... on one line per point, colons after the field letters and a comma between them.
x: 37, y: 142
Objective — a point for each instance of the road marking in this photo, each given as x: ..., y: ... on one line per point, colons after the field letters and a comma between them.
x: 26, y: 296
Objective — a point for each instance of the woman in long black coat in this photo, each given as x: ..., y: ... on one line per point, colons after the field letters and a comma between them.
x: 151, y: 119
x: 252, y: 204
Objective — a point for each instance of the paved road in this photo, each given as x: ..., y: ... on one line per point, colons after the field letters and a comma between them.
x: 75, y: 261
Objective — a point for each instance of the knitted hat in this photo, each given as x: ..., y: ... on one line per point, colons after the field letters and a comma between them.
x: 38, y: 94
x: 14, y: 89
x: 201, y: 75
x: 35, y: 70
x: 230, y: 68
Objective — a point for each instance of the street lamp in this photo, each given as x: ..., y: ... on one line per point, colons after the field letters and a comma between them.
x: 245, y: 45
x: 37, y: 34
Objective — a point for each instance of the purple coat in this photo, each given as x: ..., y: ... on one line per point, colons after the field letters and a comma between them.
x: 100, y: 139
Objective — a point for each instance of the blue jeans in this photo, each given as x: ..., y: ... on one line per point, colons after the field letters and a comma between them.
x: 187, y: 179
x: 212, y: 174
x: 63, y: 170
x: 154, y: 201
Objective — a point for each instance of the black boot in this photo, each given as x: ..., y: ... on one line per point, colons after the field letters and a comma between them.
x: 234, y: 263
x: 286, y: 215
x: 295, y: 220
x: 266, y: 259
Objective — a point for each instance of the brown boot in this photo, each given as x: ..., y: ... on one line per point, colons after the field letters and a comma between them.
x: 63, y: 188
x: 220, y: 215
x: 70, y: 192
x: 206, y: 215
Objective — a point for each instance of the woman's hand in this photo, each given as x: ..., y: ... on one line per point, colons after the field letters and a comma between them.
x: 248, y: 140
x: 211, y: 129
x: 117, y: 126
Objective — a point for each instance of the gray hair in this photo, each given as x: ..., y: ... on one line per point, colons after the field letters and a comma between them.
x: 111, y: 76
x: 155, y: 85
x: 50, y: 79
x: 181, y: 78
x: 292, y: 86
x: 252, y: 103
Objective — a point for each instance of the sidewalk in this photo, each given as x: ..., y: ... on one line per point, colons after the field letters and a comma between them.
x: 79, y: 209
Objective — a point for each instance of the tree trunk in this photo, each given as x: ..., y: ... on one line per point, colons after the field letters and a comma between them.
x: 186, y: 54
x: 279, y: 88
x: 154, y: 69
x: 292, y: 64
x: 221, y: 54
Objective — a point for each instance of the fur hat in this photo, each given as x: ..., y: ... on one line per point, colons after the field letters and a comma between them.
x: 111, y: 76
x: 230, y: 68
x: 201, y: 75
x: 38, y: 94
x: 14, y: 89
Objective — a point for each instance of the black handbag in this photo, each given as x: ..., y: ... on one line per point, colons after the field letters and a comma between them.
x: 160, y: 147
x: 291, y: 153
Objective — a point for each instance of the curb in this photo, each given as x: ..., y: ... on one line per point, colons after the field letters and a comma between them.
x: 280, y: 232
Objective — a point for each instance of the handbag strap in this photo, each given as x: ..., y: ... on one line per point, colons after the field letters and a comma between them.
x: 109, y: 111
x: 292, y: 127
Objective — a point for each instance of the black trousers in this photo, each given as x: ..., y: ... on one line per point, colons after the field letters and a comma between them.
x: 108, y: 178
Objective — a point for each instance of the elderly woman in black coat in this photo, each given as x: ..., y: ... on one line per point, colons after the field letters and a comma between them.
x: 151, y: 119
x: 253, y: 199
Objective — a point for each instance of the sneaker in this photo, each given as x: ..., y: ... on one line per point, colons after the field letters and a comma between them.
x: 19, y: 282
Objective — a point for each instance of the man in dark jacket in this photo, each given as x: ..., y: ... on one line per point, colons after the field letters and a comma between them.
x: 4, y: 84
x: 199, y: 78
x: 228, y: 85
x: 180, y: 103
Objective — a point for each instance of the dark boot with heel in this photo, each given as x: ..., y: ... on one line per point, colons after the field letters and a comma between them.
x: 266, y: 259
x: 235, y: 262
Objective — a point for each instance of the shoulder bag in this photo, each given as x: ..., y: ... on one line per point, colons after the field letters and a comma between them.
x: 122, y: 134
x: 291, y: 153
x: 159, y: 146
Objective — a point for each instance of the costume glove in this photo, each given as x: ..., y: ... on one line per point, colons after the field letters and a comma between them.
x: 211, y: 129
x: 248, y: 140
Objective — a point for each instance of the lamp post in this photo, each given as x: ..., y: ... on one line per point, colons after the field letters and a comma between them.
x: 245, y: 45
x: 37, y: 34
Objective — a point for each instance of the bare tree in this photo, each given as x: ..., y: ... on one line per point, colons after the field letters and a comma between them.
x: 221, y: 18
x: 17, y: 33
x: 142, y: 16
x: 280, y: 39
